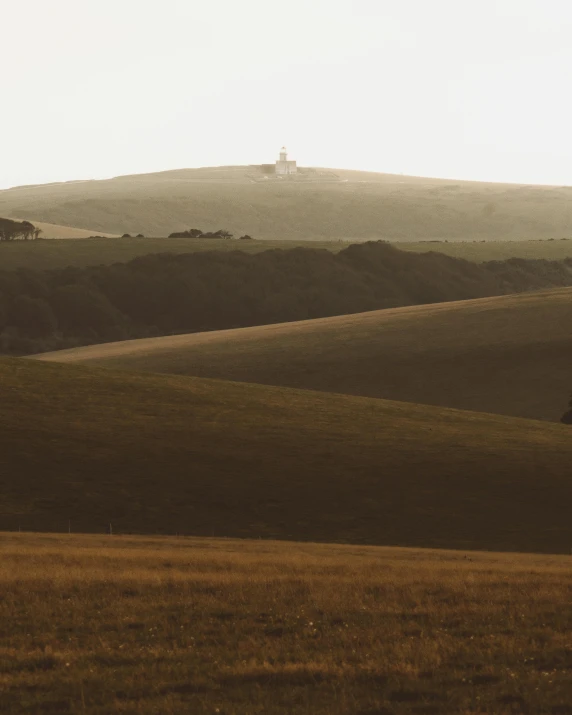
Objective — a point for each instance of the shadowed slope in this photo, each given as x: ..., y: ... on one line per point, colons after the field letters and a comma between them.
x: 159, y: 453
x: 509, y: 354
x: 318, y: 204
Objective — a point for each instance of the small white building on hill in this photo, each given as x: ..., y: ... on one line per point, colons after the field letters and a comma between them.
x: 283, y: 166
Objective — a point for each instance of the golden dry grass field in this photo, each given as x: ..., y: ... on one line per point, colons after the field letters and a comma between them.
x: 100, y: 624
x: 318, y: 204
x: 507, y: 355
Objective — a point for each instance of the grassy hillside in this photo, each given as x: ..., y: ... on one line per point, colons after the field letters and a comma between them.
x: 319, y: 204
x: 507, y: 355
x: 147, y: 626
x: 157, y: 453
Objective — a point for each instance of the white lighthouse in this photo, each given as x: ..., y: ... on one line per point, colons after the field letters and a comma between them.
x: 283, y: 166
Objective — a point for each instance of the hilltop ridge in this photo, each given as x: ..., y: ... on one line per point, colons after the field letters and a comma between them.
x: 319, y: 203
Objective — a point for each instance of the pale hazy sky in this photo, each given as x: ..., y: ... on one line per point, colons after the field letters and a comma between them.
x: 454, y: 88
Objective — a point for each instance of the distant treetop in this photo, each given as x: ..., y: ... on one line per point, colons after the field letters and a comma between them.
x: 197, y: 233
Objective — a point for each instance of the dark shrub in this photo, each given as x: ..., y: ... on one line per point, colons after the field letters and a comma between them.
x: 81, y: 309
x: 33, y: 317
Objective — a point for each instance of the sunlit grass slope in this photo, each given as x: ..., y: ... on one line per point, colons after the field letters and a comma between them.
x: 49, y: 230
x: 137, y: 625
x: 318, y: 204
x: 158, y: 453
x: 506, y: 355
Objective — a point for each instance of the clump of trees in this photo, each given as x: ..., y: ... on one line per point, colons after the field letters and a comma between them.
x: 12, y: 230
x: 197, y: 233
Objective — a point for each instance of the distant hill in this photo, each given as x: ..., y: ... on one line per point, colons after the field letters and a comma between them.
x: 316, y: 204
x: 157, y: 453
x: 507, y: 355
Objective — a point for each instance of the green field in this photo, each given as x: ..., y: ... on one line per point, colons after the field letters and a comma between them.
x: 54, y: 253
x: 479, y: 251
x: 320, y: 204
x: 507, y: 354
x: 105, y: 625
x: 164, y: 454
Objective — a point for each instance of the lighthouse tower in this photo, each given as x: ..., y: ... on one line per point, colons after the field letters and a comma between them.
x: 283, y: 166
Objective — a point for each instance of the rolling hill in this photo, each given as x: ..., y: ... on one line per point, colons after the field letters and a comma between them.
x: 318, y: 204
x: 157, y: 453
x: 508, y: 355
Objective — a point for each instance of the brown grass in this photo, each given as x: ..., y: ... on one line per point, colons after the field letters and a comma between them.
x: 508, y: 355
x: 148, y: 625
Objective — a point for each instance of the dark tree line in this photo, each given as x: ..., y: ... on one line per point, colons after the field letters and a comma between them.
x: 12, y: 230
x: 164, y: 294
x: 197, y: 233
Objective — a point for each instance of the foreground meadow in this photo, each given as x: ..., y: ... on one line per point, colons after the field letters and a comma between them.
x: 102, y: 624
